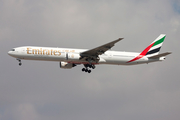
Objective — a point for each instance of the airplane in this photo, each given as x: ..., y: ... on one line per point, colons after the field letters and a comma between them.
x: 69, y: 57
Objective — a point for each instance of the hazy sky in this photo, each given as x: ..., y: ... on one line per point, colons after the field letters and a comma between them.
x: 43, y: 91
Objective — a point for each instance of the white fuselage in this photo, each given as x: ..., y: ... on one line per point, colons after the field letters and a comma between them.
x: 72, y: 55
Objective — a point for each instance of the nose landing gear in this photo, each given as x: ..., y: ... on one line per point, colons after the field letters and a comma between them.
x: 19, y: 62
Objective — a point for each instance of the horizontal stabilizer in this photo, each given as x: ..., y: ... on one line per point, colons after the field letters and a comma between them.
x: 159, y: 55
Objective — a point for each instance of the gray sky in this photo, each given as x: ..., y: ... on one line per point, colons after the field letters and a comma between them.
x: 43, y: 91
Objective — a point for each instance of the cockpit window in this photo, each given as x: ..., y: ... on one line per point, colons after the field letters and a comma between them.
x: 12, y: 49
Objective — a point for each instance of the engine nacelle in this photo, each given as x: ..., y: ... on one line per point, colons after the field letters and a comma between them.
x: 73, y: 56
x: 66, y: 65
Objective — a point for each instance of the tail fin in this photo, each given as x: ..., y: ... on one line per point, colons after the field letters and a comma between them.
x: 154, y: 48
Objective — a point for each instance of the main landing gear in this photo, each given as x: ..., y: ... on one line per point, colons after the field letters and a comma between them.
x: 86, y: 68
x: 19, y: 62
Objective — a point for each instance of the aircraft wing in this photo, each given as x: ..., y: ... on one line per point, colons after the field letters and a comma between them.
x: 99, y: 50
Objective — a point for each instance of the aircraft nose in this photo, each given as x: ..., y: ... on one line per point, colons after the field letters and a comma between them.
x: 9, y: 53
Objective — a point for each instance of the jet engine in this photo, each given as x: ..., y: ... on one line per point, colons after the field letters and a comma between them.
x: 73, y: 56
x: 66, y: 65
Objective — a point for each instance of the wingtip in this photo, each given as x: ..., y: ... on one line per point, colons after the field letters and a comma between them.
x: 120, y: 38
x: 169, y: 52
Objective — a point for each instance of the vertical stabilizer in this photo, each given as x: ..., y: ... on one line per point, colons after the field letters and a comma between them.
x: 156, y: 46
x: 152, y: 50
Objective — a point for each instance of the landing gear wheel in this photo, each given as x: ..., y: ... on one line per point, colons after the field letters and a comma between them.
x: 89, y: 71
x: 93, y: 67
x: 19, y: 61
x: 86, y: 66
